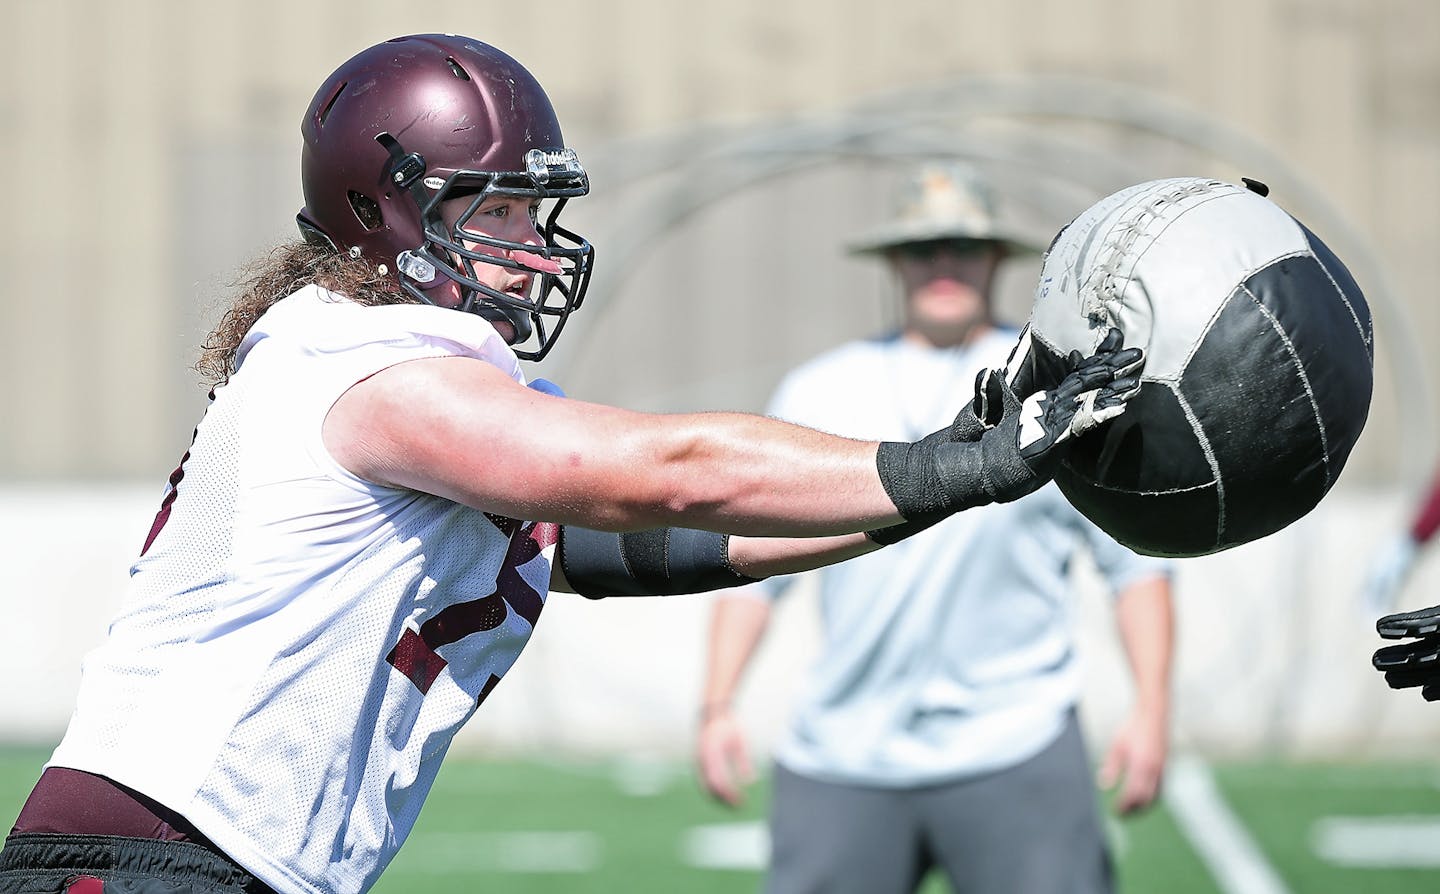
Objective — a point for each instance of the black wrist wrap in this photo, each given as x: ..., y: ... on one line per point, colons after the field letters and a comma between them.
x: 911, y: 479
x: 656, y: 562
x: 930, y: 479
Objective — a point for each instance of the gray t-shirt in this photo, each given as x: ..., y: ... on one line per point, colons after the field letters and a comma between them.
x: 948, y: 654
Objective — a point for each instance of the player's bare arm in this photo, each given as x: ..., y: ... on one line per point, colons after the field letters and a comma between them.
x: 447, y: 426
x: 684, y: 483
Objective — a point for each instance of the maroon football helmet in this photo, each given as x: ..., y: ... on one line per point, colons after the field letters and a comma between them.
x: 420, y: 121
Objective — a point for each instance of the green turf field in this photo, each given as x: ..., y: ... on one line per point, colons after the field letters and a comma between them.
x: 643, y: 827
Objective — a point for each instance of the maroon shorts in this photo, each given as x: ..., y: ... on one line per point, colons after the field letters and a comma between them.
x: 73, y: 802
x: 79, y: 833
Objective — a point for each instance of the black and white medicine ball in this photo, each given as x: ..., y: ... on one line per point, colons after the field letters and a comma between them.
x: 1258, y: 369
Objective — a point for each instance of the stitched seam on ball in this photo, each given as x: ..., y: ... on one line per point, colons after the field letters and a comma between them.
x: 1112, y: 252
x: 1108, y: 488
x: 1105, y: 264
x: 1167, y: 202
x: 1304, y: 379
x: 1210, y: 324
x: 1365, y: 337
x: 1302, y: 253
x: 1054, y: 348
x: 1208, y: 450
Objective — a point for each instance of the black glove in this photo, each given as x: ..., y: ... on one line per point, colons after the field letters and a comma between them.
x: 1015, y: 453
x: 1095, y: 390
x: 1416, y: 662
x: 981, y: 414
x: 1025, y: 374
x: 1018, y: 377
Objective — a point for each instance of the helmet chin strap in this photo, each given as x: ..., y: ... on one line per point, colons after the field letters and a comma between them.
x: 473, y: 301
x: 518, y: 319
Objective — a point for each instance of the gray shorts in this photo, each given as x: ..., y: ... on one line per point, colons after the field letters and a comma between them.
x: 1031, y: 829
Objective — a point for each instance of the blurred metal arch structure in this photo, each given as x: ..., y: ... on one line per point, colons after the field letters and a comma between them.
x: 1035, y: 160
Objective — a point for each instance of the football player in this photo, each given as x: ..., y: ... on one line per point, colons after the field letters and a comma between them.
x: 359, y: 541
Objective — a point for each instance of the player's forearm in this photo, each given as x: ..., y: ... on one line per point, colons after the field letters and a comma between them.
x: 736, y: 627
x: 761, y: 557
x: 1145, y: 617
x: 737, y: 473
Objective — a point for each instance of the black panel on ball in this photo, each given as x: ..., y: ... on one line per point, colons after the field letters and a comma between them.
x: 1365, y: 330
x: 1245, y: 386
x: 1145, y: 479
x: 1175, y: 524
x: 1151, y: 448
x: 1335, y: 333
x: 1042, y: 369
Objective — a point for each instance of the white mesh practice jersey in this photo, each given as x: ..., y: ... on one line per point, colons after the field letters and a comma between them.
x: 298, y: 646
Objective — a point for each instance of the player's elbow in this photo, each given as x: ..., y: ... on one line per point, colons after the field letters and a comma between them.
x: 686, y: 479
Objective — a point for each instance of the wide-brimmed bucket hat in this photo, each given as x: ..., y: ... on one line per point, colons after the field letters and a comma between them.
x: 943, y: 201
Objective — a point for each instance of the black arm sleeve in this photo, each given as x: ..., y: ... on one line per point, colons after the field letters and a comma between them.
x: 657, y: 562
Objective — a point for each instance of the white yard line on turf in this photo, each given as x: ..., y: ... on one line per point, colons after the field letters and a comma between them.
x: 524, y: 852
x: 1378, y: 842
x: 743, y: 845
x: 1218, y: 837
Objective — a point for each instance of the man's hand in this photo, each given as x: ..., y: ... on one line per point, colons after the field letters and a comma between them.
x: 1020, y: 439
x: 1417, y: 661
x: 1109, y: 364
x: 1025, y: 433
x: 1136, y: 762
x: 1095, y: 391
x: 723, y: 757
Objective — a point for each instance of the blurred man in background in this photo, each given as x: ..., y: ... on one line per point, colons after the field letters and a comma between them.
x: 939, y: 727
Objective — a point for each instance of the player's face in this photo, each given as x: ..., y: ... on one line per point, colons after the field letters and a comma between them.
x: 946, y: 285
x: 512, y: 220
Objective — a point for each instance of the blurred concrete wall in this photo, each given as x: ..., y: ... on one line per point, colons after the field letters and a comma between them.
x: 151, y: 148
x: 1272, y: 658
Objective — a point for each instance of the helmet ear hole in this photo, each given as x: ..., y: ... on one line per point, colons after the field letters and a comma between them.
x: 324, y: 114
x: 366, y: 210
x: 456, y: 68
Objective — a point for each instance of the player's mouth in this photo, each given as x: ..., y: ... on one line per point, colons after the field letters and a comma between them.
x: 518, y: 288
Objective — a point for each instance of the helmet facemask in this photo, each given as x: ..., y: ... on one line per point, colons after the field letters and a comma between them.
x: 476, y: 126
x: 452, y: 247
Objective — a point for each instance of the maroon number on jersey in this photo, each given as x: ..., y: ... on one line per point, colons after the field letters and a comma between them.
x: 416, y: 655
x: 163, y: 515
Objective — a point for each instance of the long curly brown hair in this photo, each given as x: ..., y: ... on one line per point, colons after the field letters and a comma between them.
x: 286, y: 269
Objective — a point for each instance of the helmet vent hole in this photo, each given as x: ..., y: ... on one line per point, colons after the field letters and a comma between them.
x: 366, y: 210
x: 456, y: 69
x: 330, y: 103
